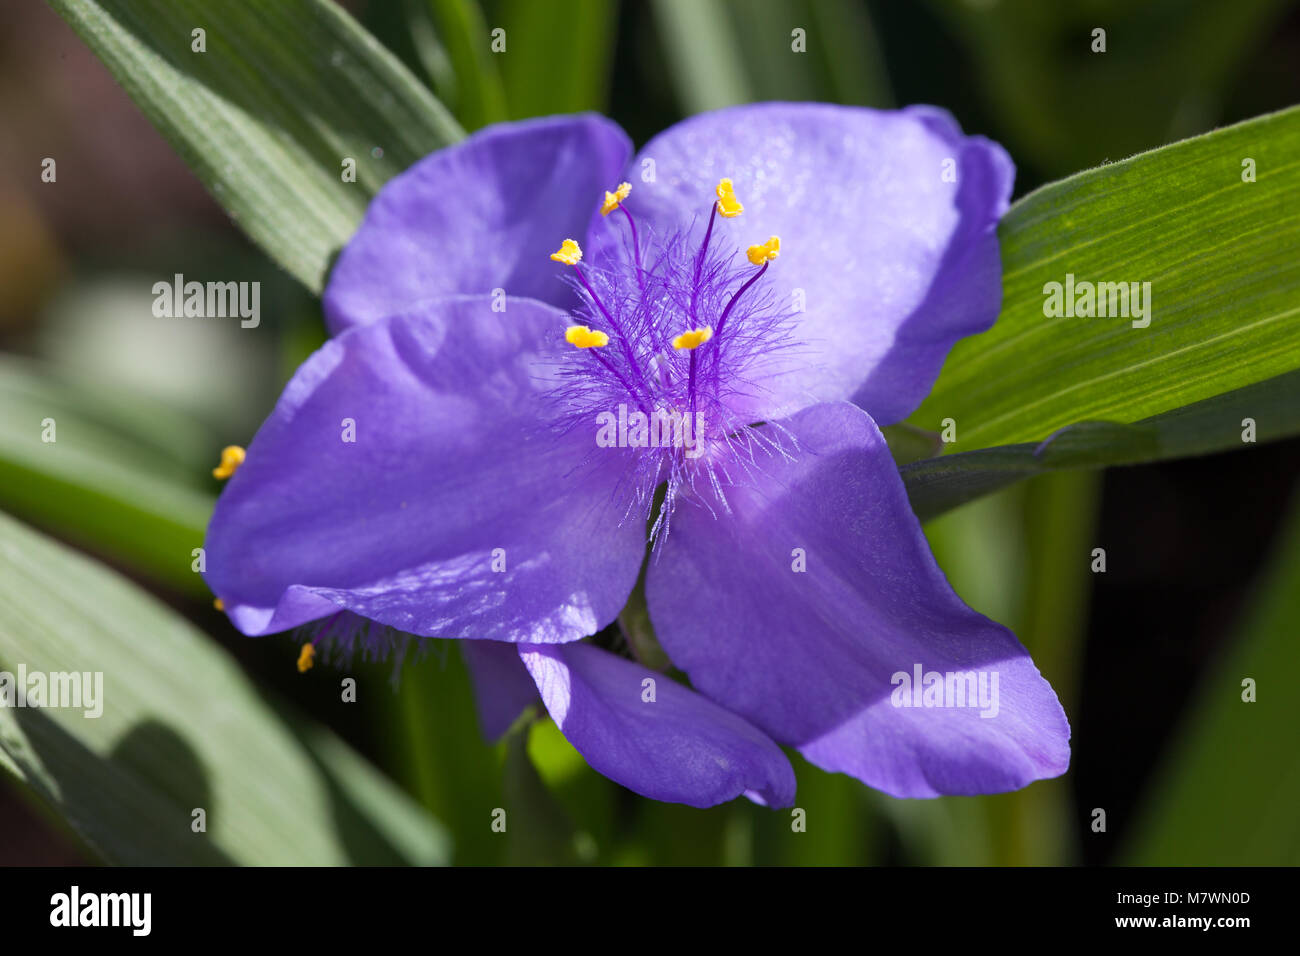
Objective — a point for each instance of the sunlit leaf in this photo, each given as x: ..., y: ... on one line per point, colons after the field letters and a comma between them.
x: 283, y: 96
x: 120, y: 475
x: 1222, y: 257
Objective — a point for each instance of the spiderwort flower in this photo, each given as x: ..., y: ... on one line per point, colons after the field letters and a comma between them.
x: 780, y: 279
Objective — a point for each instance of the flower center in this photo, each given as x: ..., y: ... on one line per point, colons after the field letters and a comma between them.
x: 672, y: 341
x: 668, y: 325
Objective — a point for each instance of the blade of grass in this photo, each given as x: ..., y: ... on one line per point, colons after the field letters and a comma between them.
x: 179, y: 730
x: 282, y: 95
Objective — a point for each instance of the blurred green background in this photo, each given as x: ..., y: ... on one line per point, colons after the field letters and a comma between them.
x: 1203, y: 572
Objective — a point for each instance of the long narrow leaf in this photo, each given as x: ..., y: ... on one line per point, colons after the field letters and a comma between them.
x: 181, y: 730
x: 1265, y: 411
x: 1221, y: 254
x: 270, y: 112
x: 106, y: 470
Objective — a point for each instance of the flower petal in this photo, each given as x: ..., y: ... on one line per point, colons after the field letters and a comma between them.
x: 502, y: 685
x: 891, y: 263
x: 456, y: 511
x: 810, y: 657
x: 680, y: 747
x: 481, y: 215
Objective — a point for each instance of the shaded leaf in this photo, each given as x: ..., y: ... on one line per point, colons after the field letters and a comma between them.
x: 935, y: 485
x: 557, y: 60
x: 1226, y: 793
x: 181, y: 729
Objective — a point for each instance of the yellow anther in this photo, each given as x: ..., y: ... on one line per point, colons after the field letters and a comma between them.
x: 570, y: 253
x: 232, y: 456
x: 305, y: 658
x: 693, y: 339
x: 613, y: 199
x: 765, y: 251
x: 729, y: 206
x: 219, y: 604
x: 584, y: 338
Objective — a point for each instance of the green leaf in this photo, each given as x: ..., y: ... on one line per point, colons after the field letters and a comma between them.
x: 835, y: 58
x: 541, y: 833
x: 726, y: 52
x: 1014, y: 557
x: 849, y: 826
x: 1226, y: 793
x: 480, y: 97
x: 266, y: 117
x: 908, y: 444
x: 708, y: 69
x: 556, y: 61
x: 122, y: 475
x: 181, y: 729
x: 433, y: 738
x: 1223, y: 260
x: 1216, y: 424
x: 584, y: 797
x: 935, y: 485
x: 1164, y: 69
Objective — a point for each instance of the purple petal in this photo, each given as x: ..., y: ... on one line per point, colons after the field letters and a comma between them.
x: 502, y: 685
x: 454, y: 475
x: 679, y: 748
x: 810, y: 656
x: 481, y: 215
x: 894, y: 264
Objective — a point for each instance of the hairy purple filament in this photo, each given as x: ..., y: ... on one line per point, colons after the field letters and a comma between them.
x: 722, y: 320
x: 699, y: 260
x: 636, y: 246
x: 343, y: 635
x: 627, y: 346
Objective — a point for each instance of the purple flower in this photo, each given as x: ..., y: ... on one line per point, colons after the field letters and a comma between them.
x: 675, y: 392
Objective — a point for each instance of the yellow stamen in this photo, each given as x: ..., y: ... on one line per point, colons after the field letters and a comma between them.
x: 765, y: 251
x: 693, y: 339
x: 306, y: 658
x: 219, y: 604
x: 232, y: 456
x: 613, y: 199
x: 582, y: 337
x: 729, y: 206
x: 570, y: 253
